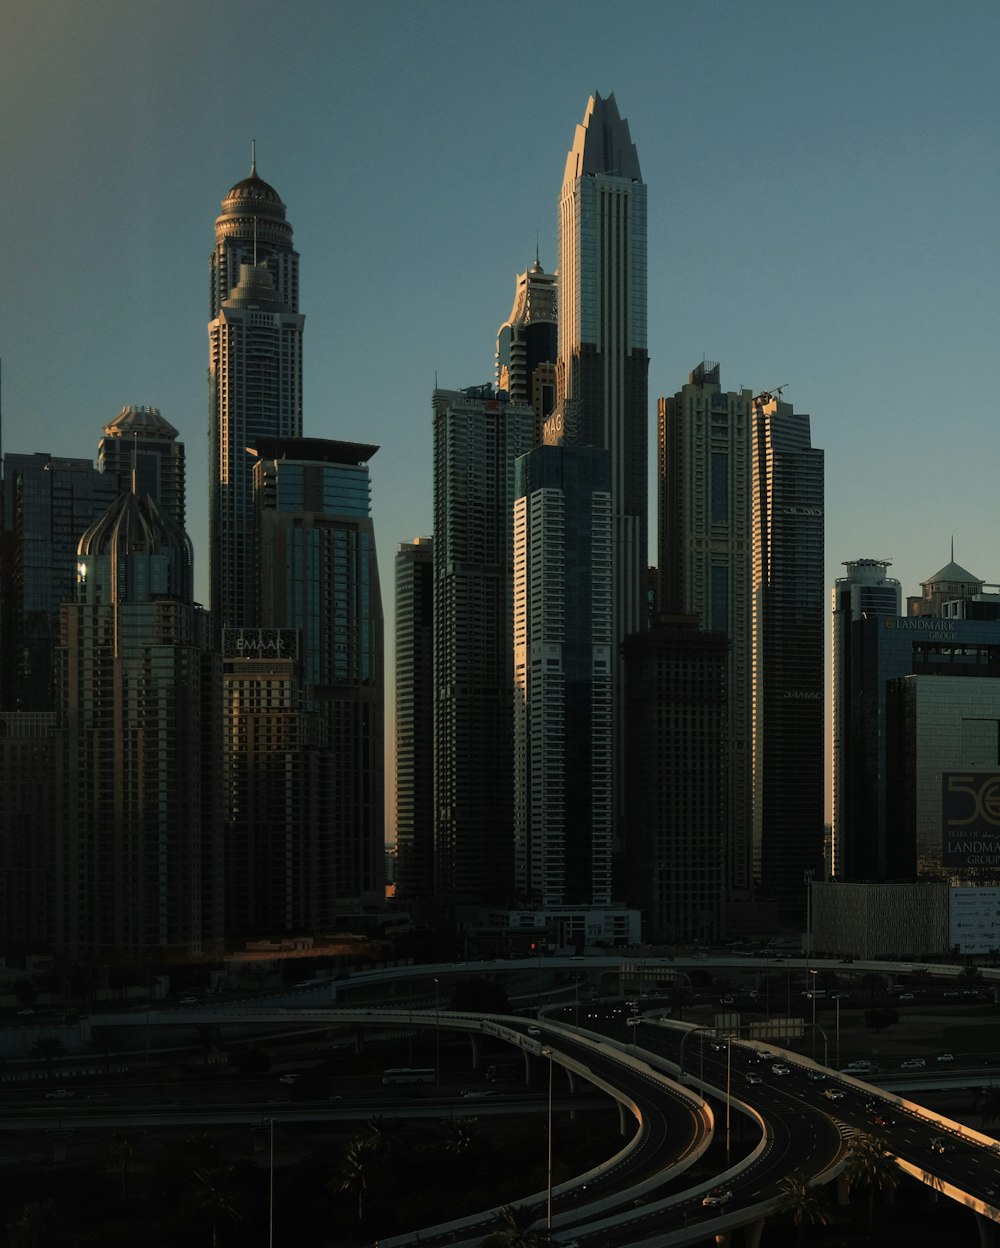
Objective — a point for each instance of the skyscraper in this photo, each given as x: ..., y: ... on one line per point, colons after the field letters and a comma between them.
x: 255, y: 378
x: 787, y: 653
x: 866, y: 592
x: 527, y: 345
x: 477, y: 437
x: 138, y: 816
x: 316, y: 660
x: 415, y: 720
x: 704, y: 482
x: 139, y: 438
x: 603, y: 359
x: 562, y: 678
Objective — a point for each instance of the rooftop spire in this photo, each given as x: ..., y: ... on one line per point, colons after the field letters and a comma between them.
x: 253, y: 158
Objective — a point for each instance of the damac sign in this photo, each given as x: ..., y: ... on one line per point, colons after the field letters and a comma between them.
x: 970, y: 818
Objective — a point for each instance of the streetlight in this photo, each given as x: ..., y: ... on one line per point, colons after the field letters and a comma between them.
x: 437, y: 1041
x: 729, y: 1079
x: 838, y: 1030
x: 812, y: 983
x: 270, y: 1189
x: 548, y: 1214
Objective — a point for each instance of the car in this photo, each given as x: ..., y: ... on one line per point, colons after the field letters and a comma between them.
x: 946, y: 1057
x: 534, y: 1031
x: 871, y: 1105
x: 941, y: 1145
x: 753, y: 1077
x: 716, y: 1197
x: 58, y: 1094
x: 289, y: 1079
x: 634, y: 1021
x: 816, y: 1076
x: 880, y: 1120
x: 25, y: 1013
x: 189, y: 1000
x: 905, y: 996
x: 780, y: 1069
x: 913, y: 1063
x: 478, y: 1094
x: 833, y: 1094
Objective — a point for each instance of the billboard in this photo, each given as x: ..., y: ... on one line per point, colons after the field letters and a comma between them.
x: 970, y: 819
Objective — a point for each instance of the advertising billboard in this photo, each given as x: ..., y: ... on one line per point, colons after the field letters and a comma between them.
x: 970, y: 819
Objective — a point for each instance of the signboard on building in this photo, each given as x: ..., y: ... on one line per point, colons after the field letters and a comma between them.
x: 970, y: 819
x: 260, y: 643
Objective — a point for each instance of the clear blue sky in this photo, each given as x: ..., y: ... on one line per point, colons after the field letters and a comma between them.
x: 824, y: 200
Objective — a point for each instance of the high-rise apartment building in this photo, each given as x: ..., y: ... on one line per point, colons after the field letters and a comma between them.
x: 255, y: 378
x: 478, y: 435
x: 563, y: 816
x: 787, y: 653
x: 138, y: 850
x: 603, y: 363
x: 415, y: 721
x: 704, y: 486
x: 866, y: 592
x: 527, y: 345
x: 305, y: 695
x: 677, y: 792
x: 48, y: 501
x: 139, y: 440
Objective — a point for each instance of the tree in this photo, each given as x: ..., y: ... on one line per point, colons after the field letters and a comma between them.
x: 119, y: 1155
x: 516, y: 1229
x: 805, y: 1205
x: 870, y: 1164
x: 213, y: 1195
x: 359, y: 1163
x: 47, y: 1047
x: 37, y: 1227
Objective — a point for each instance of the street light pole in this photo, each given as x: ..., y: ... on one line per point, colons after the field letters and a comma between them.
x: 548, y: 1205
x: 812, y: 984
x: 729, y: 1077
x: 838, y: 1032
x: 270, y: 1189
x: 437, y: 1041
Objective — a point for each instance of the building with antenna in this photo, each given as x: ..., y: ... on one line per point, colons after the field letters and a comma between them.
x: 255, y: 378
x: 139, y: 440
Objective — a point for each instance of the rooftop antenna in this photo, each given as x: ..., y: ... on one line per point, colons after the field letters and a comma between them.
x: 253, y: 158
x: 537, y: 257
x: 953, y: 547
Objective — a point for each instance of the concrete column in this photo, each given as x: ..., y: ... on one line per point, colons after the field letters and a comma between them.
x: 987, y: 1231
x: 752, y: 1233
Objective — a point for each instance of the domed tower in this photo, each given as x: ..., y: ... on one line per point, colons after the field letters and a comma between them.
x: 139, y: 827
x: 255, y: 380
x: 252, y: 229
x: 139, y: 440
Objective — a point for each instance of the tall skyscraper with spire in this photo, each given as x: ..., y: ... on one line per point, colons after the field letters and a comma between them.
x: 603, y: 359
x: 255, y: 378
x: 601, y: 372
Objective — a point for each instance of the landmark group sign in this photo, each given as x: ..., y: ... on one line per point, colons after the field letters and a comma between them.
x: 970, y: 819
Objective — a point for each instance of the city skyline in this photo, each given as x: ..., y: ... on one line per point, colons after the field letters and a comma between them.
x: 836, y: 188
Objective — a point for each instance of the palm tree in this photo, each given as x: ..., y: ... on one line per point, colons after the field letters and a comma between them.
x: 803, y: 1203
x: 359, y: 1165
x: 37, y: 1227
x: 516, y: 1229
x: 212, y: 1194
x: 120, y: 1153
x: 47, y: 1047
x: 871, y: 1165
x: 460, y: 1136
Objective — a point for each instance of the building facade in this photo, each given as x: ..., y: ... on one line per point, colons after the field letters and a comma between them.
x: 255, y: 379
x: 787, y: 653
x: 562, y: 677
x: 415, y: 721
x: 676, y: 703
x: 866, y: 592
x: 478, y: 435
x: 527, y: 345
x: 704, y: 482
x: 138, y: 858
x: 140, y: 441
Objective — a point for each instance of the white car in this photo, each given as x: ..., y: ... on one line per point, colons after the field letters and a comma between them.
x: 780, y: 1069
x: 913, y: 1063
x: 58, y: 1094
x: 946, y: 1057
x: 717, y: 1196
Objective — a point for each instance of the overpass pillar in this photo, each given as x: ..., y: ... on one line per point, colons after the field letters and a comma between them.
x: 752, y: 1233
x: 987, y: 1231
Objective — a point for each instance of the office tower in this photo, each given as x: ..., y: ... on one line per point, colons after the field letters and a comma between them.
x: 787, y: 653
x: 48, y: 501
x: 704, y: 486
x: 563, y: 817
x: 676, y: 792
x: 866, y: 592
x: 415, y: 721
x: 138, y: 803
x: 477, y: 437
x: 255, y: 378
x: 603, y: 359
x: 527, y: 345
x: 139, y: 438
x: 318, y: 578
x: 28, y: 744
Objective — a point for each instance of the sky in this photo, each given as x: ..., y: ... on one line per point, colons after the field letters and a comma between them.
x: 823, y: 195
